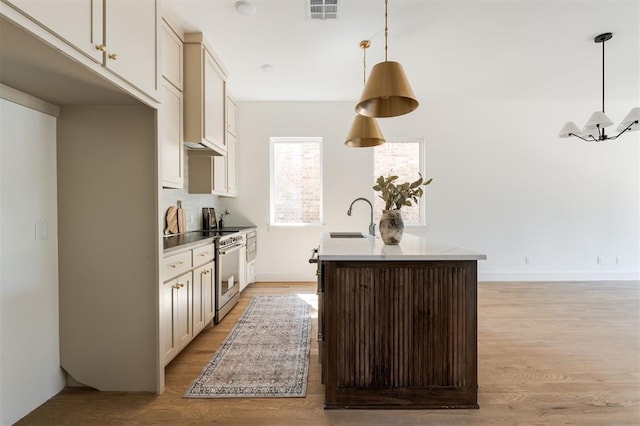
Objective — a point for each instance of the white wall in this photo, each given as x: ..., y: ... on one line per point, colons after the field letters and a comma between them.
x: 504, y: 185
x: 29, y: 351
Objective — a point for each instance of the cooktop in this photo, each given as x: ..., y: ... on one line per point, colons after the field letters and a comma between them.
x: 174, y: 241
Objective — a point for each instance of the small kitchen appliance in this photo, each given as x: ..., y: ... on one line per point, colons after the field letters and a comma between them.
x: 209, y: 220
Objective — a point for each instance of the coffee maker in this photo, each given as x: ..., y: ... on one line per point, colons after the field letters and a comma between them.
x: 209, y: 220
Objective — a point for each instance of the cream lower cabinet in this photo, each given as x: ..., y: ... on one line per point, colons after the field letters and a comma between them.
x: 203, y: 297
x: 187, y: 302
x: 176, y: 321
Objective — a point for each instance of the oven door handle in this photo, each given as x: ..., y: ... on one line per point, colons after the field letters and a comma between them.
x: 231, y: 249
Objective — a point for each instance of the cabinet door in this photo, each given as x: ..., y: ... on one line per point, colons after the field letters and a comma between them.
x: 209, y: 297
x: 170, y: 122
x: 130, y: 38
x: 168, y: 299
x: 232, y: 116
x: 182, y: 325
x: 197, y: 301
x: 213, y: 103
x: 232, y: 165
x: 242, y: 278
x: 220, y: 175
x: 78, y: 22
x: 203, y: 277
x: 251, y: 272
x: 172, y: 55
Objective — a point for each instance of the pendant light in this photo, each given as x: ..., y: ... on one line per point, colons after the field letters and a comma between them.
x: 364, y: 131
x: 387, y: 93
x: 594, y: 129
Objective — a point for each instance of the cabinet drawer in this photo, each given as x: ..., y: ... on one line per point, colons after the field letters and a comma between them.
x: 176, y: 265
x: 202, y: 255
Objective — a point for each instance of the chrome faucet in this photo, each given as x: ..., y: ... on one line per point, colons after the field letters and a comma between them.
x: 372, y: 226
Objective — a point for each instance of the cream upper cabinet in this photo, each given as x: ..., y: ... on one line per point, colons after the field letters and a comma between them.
x: 170, y: 136
x: 120, y: 35
x: 232, y: 116
x: 232, y: 166
x: 204, y: 96
x: 207, y: 173
x: 231, y: 163
x: 217, y: 174
x: 170, y: 112
x: 77, y: 22
x: 172, y: 54
x: 130, y: 40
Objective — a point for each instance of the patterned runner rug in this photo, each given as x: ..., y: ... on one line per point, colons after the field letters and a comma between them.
x: 265, y: 355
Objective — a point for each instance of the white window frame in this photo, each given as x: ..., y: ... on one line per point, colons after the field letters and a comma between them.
x: 421, y: 166
x: 274, y: 140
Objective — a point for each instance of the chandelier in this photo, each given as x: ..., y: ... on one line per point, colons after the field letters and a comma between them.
x: 594, y: 130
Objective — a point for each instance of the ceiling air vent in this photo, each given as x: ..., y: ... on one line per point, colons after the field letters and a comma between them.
x: 322, y: 9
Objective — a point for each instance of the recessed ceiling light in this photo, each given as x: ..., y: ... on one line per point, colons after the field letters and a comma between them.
x: 245, y: 8
x: 267, y: 68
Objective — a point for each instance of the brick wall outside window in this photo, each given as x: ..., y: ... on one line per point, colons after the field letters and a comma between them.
x: 296, y: 181
x: 399, y: 159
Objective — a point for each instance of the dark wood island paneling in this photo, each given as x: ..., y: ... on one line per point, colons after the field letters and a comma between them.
x: 399, y: 334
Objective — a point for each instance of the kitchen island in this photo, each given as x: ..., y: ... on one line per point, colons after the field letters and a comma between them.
x: 397, y: 324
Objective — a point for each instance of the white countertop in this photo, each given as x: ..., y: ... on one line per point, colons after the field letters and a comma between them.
x: 373, y: 249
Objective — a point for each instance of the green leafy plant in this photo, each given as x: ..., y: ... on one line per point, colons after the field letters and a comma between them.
x: 395, y: 196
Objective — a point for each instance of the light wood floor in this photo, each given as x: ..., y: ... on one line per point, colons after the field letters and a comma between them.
x: 549, y: 353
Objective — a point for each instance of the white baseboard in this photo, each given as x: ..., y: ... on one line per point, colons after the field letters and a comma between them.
x: 490, y: 276
x: 285, y: 277
x: 560, y: 276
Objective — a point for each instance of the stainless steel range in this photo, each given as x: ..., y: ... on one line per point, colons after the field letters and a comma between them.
x: 229, y: 263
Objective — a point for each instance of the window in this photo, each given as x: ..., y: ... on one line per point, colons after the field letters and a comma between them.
x: 403, y: 158
x: 296, y: 181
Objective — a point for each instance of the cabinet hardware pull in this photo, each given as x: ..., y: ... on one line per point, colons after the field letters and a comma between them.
x: 113, y: 56
x: 101, y: 47
x: 175, y: 286
x: 175, y: 265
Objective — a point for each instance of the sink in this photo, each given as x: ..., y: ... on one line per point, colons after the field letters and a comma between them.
x: 346, y: 235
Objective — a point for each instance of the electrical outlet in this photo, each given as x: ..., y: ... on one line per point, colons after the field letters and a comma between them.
x: 617, y: 260
x: 599, y: 260
x: 42, y: 230
x: 527, y: 260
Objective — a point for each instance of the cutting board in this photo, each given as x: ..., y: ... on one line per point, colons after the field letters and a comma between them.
x: 182, y: 220
x: 172, y: 221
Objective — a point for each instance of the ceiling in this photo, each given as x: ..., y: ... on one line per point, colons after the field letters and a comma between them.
x: 476, y: 50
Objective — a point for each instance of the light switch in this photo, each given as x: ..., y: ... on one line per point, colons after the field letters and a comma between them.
x: 42, y: 230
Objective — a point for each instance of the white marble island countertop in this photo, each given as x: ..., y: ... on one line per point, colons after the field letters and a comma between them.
x: 411, y: 248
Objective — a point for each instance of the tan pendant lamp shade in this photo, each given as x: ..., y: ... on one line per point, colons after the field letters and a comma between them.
x: 388, y: 92
x: 365, y: 131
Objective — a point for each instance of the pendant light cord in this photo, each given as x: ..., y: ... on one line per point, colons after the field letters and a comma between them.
x: 603, y: 76
x: 364, y: 66
x: 386, y: 28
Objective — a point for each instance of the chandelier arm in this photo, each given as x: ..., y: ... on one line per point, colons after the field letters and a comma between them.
x: 577, y: 136
x: 626, y: 128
